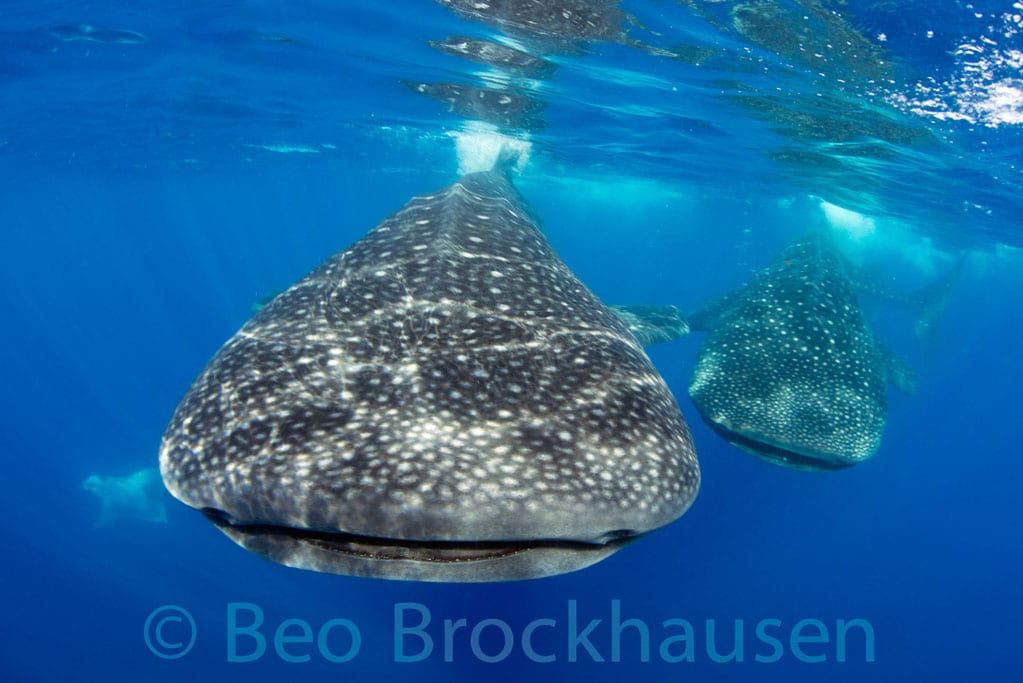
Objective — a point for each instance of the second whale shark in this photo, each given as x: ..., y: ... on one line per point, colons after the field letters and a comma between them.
x: 789, y: 370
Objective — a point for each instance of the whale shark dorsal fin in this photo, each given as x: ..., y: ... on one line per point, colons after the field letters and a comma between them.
x: 926, y: 305
x: 507, y: 159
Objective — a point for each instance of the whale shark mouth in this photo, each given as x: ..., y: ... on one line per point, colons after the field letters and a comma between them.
x: 779, y: 454
x: 377, y: 548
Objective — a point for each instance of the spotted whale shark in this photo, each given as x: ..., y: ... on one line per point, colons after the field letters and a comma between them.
x: 789, y: 370
x: 442, y: 401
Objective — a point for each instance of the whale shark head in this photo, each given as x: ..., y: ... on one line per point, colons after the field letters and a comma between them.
x: 789, y: 370
x: 443, y: 401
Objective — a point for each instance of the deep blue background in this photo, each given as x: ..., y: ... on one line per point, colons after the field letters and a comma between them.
x: 122, y: 275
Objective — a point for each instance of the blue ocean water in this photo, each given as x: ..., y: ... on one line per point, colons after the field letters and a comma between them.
x: 165, y: 165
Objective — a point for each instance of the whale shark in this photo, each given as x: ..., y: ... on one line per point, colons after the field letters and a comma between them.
x: 135, y: 496
x: 789, y: 370
x: 442, y: 401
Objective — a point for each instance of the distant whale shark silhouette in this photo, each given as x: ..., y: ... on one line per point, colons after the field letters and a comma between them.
x: 442, y: 401
x: 136, y: 496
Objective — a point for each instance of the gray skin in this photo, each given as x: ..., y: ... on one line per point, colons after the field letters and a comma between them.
x: 443, y: 401
x: 789, y: 371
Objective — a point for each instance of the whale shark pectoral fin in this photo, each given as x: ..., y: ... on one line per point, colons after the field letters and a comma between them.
x: 933, y: 299
x: 903, y: 377
x: 897, y: 370
x: 653, y: 324
x: 708, y: 316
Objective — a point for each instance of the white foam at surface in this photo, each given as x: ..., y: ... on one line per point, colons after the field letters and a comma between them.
x: 863, y: 240
x: 986, y: 87
x: 855, y: 225
x: 479, y: 145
